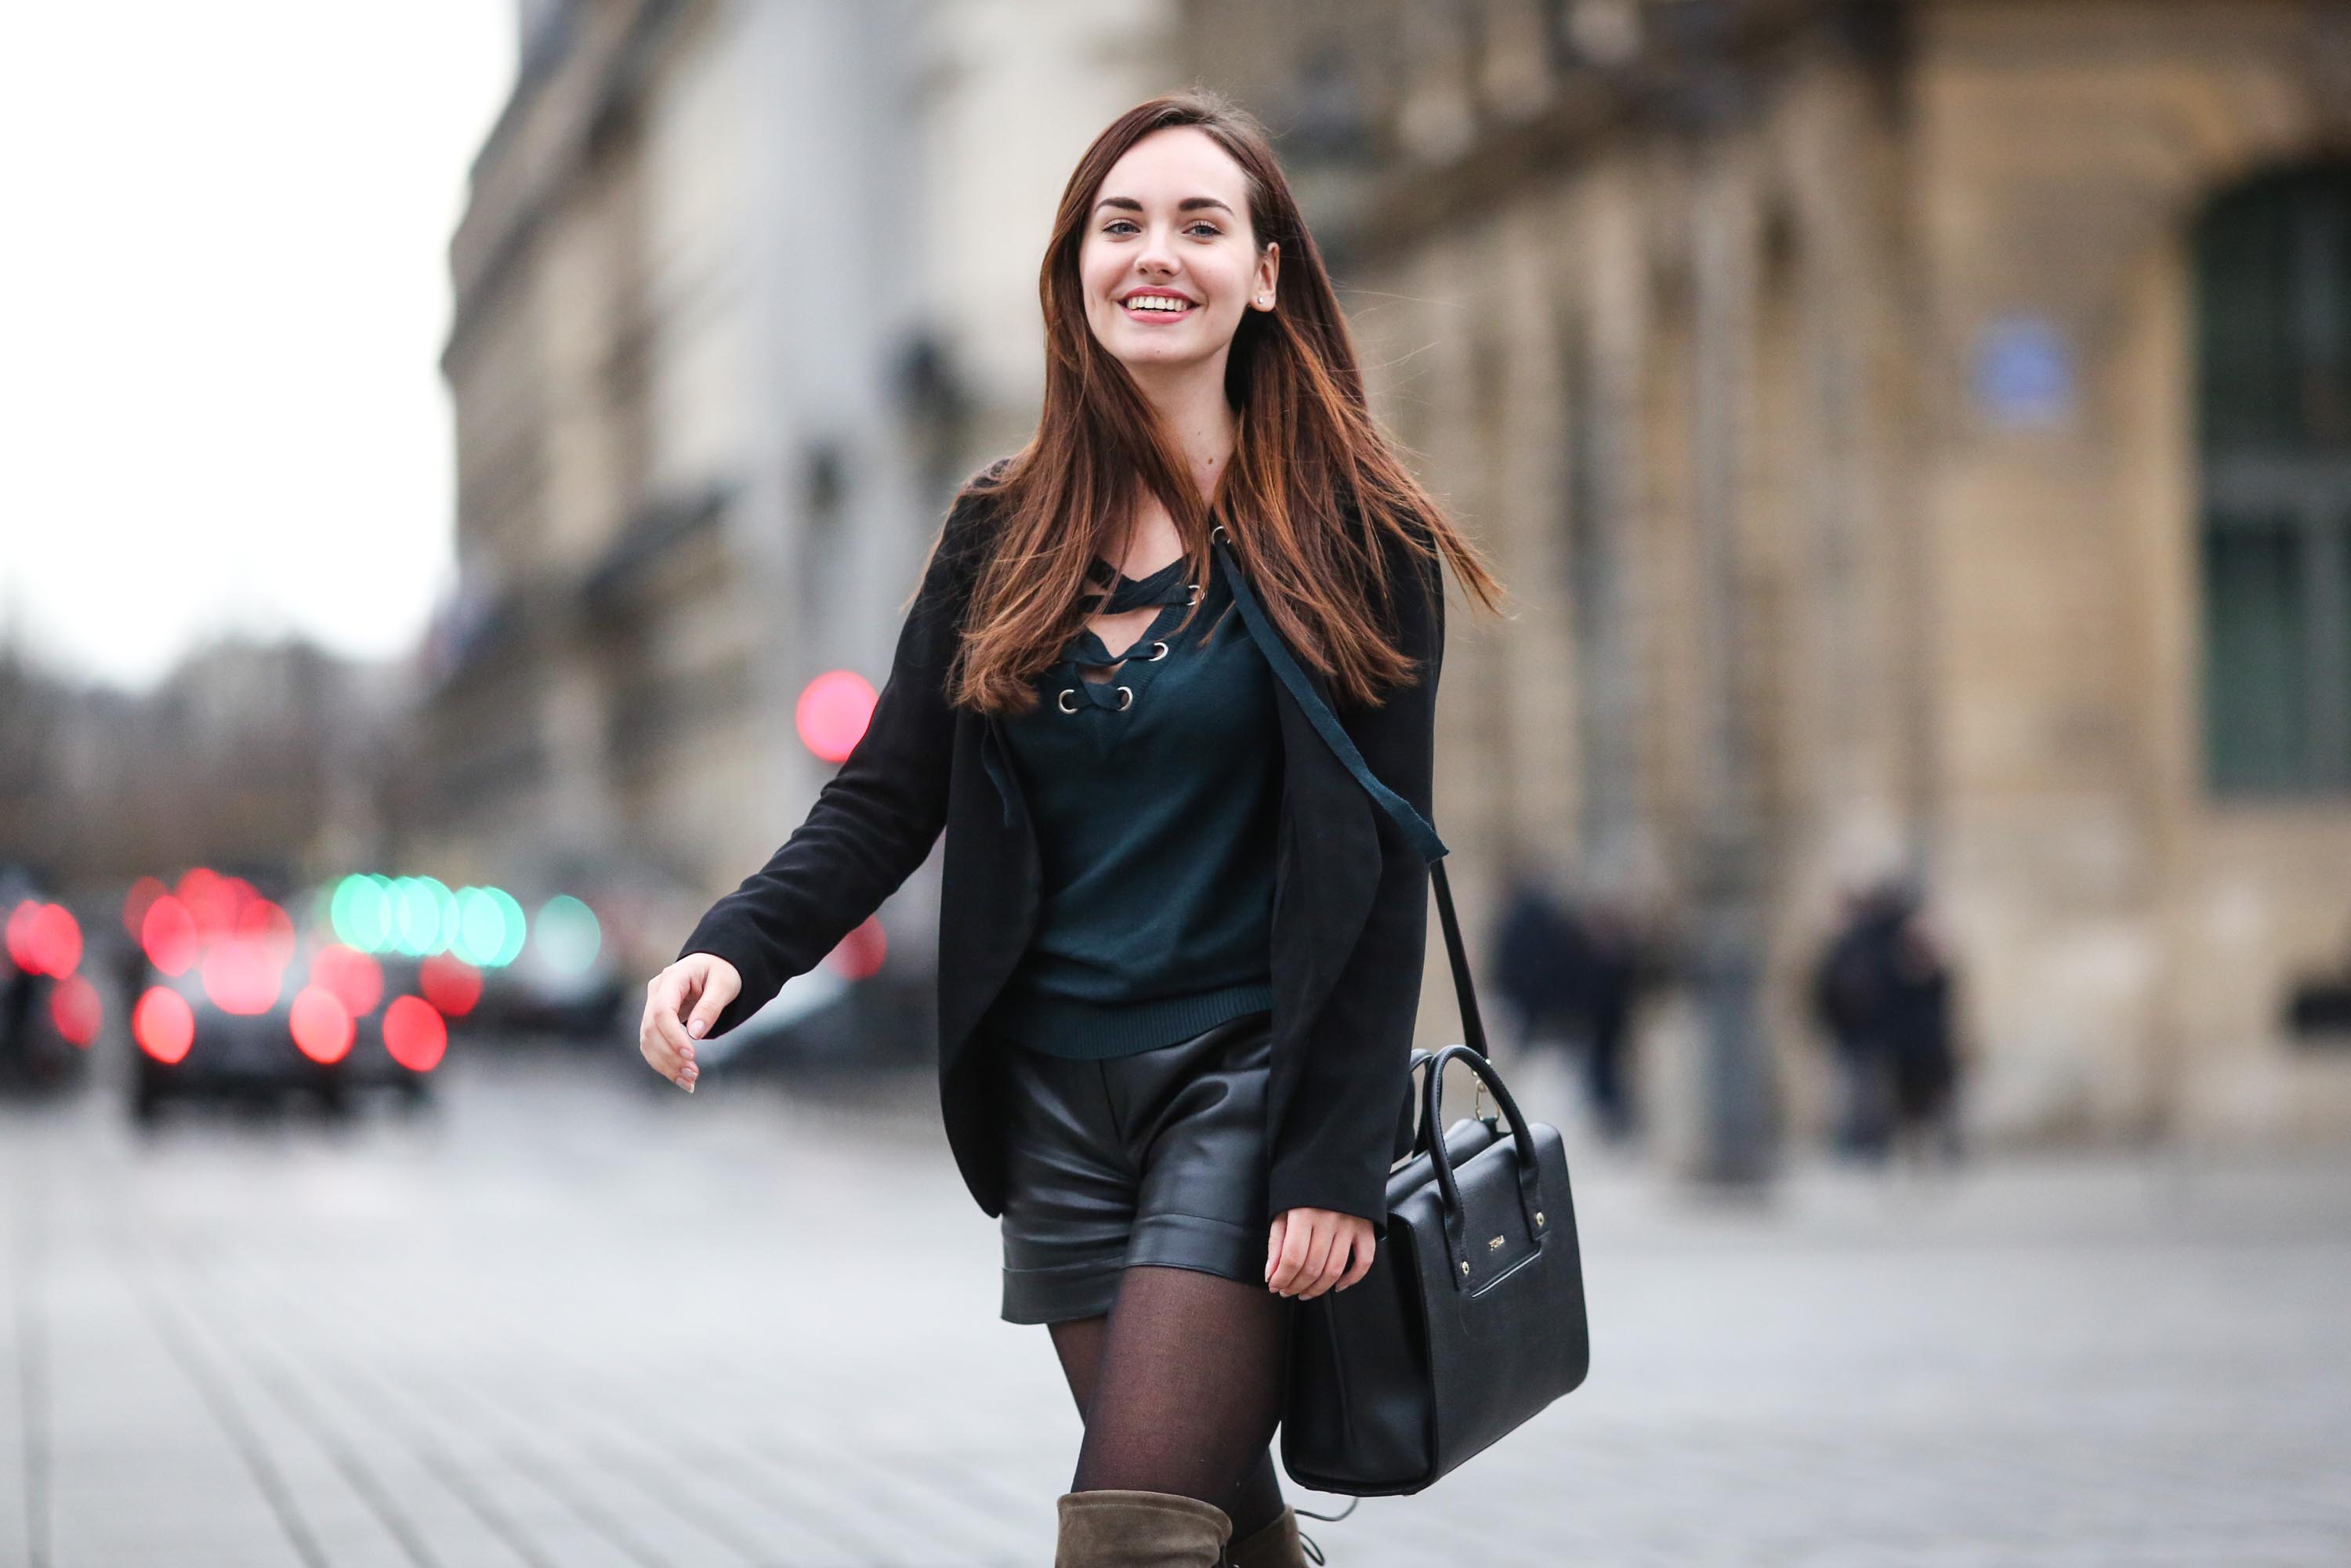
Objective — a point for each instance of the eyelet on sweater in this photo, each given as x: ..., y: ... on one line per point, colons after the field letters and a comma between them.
x: 1125, y: 698
x: 1219, y: 528
x: 1159, y: 656
x: 1196, y: 594
x: 1066, y: 704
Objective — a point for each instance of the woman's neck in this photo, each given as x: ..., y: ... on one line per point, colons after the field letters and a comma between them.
x: 1201, y: 421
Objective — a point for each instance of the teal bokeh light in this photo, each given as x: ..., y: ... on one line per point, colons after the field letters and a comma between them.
x: 361, y: 912
x: 481, y: 926
x: 516, y: 927
x: 569, y: 934
x: 425, y: 916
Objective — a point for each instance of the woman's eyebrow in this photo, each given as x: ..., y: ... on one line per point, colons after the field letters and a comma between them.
x: 1189, y: 203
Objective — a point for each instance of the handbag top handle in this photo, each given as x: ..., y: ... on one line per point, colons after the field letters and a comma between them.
x: 1416, y: 828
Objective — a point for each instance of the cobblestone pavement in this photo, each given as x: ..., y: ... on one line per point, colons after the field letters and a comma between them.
x: 579, y: 1318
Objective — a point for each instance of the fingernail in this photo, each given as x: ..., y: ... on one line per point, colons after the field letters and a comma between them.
x: 695, y: 1028
x: 686, y: 1084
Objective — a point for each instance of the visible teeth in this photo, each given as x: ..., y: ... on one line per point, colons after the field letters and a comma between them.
x: 1155, y: 302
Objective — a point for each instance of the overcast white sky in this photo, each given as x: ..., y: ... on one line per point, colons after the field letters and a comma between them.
x: 225, y: 291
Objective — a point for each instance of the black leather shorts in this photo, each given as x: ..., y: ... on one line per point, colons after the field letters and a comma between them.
x: 1156, y: 1158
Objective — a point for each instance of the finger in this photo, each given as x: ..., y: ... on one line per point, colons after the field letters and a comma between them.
x: 668, y: 996
x: 1273, y: 1245
x: 718, y: 987
x: 661, y: 1059
x: 1322, y: 1284
x: 1316, y: 1277
x: 668, y: 990
x: 1364, y: 1249
x: 1291, y: 1272
x: 656, y: 1049
x: 1333, y: 1266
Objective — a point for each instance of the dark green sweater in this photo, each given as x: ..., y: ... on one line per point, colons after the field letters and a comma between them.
x: 1156, y: 816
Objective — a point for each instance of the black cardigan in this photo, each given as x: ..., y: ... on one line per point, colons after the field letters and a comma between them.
x: 1350, y: 895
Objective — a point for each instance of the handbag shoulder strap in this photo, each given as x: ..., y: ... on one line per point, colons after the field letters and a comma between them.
x: 1416, y: 827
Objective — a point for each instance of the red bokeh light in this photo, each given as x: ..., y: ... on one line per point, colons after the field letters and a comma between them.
x: 860, y: 954
x: 75, y: 1009
x: 267, y: 923
x: 833, y: 713
x: 163, y: 1024
x: 168, y: 934
x: 20, y: 934
x: 321, y: 1025
x: 450, y: 983
x: 240, y: 978
x: 57, y: 939
x: 356, y: 978
x: 43, y: 938
x: 215, y: 901
x: 415, y: 1036
x: 138, y: 901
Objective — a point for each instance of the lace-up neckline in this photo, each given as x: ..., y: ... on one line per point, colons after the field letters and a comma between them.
x: 1169, y: 588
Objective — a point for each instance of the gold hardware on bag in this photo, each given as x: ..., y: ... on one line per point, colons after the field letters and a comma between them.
x: 1465, y: 1266
x: 1495, y: 1245
x: 1538, y: 1216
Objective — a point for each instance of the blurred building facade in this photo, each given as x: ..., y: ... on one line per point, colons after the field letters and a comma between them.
x: 1913, y: 431
x: 1919, y: 437
x: 744, y: 289
x: 278, y: 759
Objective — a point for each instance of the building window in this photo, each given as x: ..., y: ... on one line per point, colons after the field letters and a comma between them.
x: 2273, y: 262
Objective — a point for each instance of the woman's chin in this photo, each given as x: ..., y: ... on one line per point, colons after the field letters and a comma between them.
x: 1157, y: 358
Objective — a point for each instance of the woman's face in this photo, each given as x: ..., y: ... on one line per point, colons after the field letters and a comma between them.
x: 1169, y: 261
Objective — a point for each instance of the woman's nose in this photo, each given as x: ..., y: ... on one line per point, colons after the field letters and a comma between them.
x: 1157, y: 260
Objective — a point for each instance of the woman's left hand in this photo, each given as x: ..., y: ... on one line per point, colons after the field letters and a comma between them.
x: 1310, y: 1251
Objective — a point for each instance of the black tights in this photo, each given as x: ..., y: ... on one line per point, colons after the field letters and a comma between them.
x: 1179, y: 1386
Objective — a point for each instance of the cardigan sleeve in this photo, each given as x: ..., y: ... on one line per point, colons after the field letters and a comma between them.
x: 1350, y: 1101
x: 875, y: 821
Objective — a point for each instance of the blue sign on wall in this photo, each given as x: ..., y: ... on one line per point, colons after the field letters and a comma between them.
x: 2025, y: 373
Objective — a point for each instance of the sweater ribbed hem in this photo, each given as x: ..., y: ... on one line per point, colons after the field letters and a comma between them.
x: 1064, y: 1026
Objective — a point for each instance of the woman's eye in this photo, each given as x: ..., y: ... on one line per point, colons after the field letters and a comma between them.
x: 1116, y: 224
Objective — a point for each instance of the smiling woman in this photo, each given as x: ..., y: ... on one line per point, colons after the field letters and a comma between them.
x: 1216, y: 262
x: 1179, y: 951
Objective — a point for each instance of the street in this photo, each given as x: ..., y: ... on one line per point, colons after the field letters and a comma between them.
x: 576, y: 1318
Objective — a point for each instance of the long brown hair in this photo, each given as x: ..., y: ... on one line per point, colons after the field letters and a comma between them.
x: 1313, y: 486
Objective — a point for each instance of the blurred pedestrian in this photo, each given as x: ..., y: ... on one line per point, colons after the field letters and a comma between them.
x: 1845, y: 987
x: 1566, y: 971
x: 1923, y: 1063
x: 1607, y: 982
x: 1180, y: 953
x: 1537, y: 954
x: 1881, y: 990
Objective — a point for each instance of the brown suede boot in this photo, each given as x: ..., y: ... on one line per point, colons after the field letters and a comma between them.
x: 1275, y: 1546
x: 1117, y: 1528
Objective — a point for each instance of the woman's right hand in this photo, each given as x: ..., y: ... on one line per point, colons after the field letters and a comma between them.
x: 702, y: 982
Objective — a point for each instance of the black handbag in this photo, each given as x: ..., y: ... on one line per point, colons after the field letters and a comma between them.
x: 1470, y: 1320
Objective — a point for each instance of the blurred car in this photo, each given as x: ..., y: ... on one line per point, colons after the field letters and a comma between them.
x: 51, y: 1009
x: 564, y: 979
x: 859, y: 1010
x: 237, y: 999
